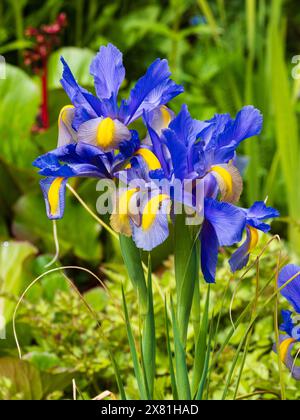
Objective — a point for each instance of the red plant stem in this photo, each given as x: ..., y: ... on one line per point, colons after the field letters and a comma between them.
x: 44, y: 109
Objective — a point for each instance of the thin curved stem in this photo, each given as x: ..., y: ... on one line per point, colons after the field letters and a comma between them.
x: 94, y: 216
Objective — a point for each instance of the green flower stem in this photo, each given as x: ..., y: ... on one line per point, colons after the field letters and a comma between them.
x: 186, y: 252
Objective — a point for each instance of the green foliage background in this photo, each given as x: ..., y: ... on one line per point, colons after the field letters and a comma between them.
x: 226, y: 54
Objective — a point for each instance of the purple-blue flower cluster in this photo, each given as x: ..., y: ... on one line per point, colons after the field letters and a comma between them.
x: 96, y: 140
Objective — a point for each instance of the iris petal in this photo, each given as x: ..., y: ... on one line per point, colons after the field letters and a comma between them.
x: 292, y: 291
x: 286, y: 345
x: 209, y: 252
x: 230, y: 182
x: 105, y: 133
x: 54, y: 195
x: 66, y: 133
x: 240, y: 257
x: 154, y: 229
x: 120, y: 218
x: 227, y: 220
x: 86, y: 105
x: 108, y: 71
x: 155, y: 88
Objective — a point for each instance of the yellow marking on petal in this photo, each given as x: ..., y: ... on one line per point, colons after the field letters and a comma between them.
x: 225, y: 175
x: 150, y: 158
x: 120, y: 219
x: 53, y: 195
x: 166, y: 116
x: 105, y: 133
x: 254, y: 237
x: 151, y: 210
x: 284, y: 348
x: 63, y: 114
x: 124, y: 200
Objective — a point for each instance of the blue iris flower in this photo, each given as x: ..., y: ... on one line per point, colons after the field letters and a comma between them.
x: 291, y: 320
x: 94, y: 127
x: 205, y: 150
x: 95, y: 141
x: 100, y: 120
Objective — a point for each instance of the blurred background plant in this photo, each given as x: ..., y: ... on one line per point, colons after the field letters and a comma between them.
x: 226, y: 54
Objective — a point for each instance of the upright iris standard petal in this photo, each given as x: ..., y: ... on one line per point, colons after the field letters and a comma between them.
x: 54, y: 195
x: 248, y: 123
x: 86, y: 105
x: 292, y: 290
x: 187, y: 128
x: 222, y: 135
x: 155, y: 88
x: 108, y: 71
x: 178, y: 152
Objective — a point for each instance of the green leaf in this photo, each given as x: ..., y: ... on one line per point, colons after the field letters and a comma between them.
x: 206, y: 364
x: 97, y: 298
x: 182, y: 377
x: 286, y: 125
x: 201, y: 346
x: 149, y: 341
x: 171, y: 366
x: 24, y: 377
x: 12, y: 258
x: 15, y: 45
x: 18, y: 93
x: 78, y: 59
x: 31, y: 223
x: 43, y: 360
x: 135, y: 358
x: 186, y: 271
x: 132, y: 259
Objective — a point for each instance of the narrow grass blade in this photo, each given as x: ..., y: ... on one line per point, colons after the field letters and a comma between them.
x: 171, y: 366
x: 134, y: 354
x: 201, y: 347
x: 285, y: 117
x: 186, y: 272
x: 118, y: 377
x: 149, y: 341
x: 206, y: 364
x: 206, y: 10
x: 182, y: 378
x: 196, y: 310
